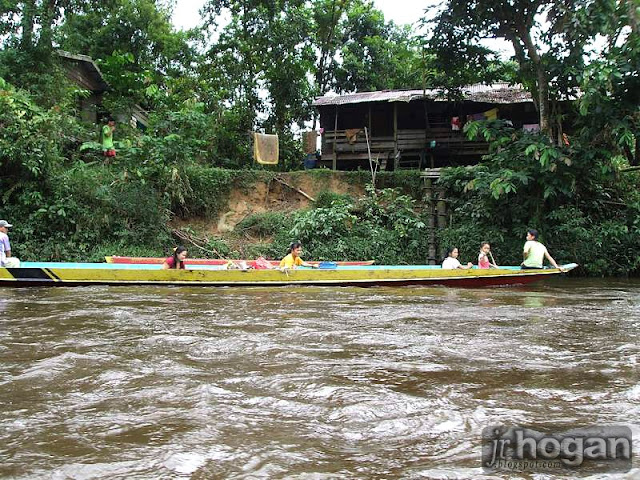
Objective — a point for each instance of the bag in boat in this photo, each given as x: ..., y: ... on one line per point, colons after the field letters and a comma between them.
x: 262, y: 264
x: 328, y: 265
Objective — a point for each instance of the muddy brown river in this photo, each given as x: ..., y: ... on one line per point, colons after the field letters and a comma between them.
x: 306, y: 383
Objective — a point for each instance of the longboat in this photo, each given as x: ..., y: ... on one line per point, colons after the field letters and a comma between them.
x: 79, y: 274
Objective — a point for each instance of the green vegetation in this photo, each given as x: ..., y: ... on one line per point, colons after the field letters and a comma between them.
x: 385, y: 225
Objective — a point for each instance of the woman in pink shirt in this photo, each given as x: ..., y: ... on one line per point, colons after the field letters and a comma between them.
x: 176, y: 261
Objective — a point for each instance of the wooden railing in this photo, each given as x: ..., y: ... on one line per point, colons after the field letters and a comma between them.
x: 437, y: 140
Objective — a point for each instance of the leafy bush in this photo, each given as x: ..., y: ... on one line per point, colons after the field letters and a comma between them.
x: 89, y: 206
x: 263, y: 225
x: 326, y: 198
x: 29, y: 143
x: 584, y: 211
x: 382, y: 225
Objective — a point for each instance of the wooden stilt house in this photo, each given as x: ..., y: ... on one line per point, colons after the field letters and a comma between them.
x: 414, y: 128
x: 84, y: 72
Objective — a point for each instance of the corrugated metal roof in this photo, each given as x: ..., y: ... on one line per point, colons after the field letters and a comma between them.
x: 496, y: 93
x: 90, y: 66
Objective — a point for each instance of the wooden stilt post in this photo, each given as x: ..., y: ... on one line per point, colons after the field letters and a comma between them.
x: 335, y: 141
x: 436, y: 208
x: 441, y: 209
x: 396, y: 160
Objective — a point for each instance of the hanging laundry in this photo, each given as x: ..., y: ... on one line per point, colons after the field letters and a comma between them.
x: 309, y: 141
x: 352, y: 134
x: 265, y: 148
x: 491, y: 114
x: 488, y: 115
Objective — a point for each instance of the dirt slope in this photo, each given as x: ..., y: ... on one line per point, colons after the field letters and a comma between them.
x: 270, y: 196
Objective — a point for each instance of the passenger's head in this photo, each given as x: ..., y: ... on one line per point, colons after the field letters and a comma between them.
x: 179, y: 255
x: 532, y: 233
x: 295, y: 248
x: 485, y: 247
x: 452, y: 252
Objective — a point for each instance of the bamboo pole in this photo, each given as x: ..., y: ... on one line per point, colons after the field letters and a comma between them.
x: 371, y: 164
x: 279, y: 180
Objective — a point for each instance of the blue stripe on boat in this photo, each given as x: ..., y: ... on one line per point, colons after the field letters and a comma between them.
x: 126, y: 266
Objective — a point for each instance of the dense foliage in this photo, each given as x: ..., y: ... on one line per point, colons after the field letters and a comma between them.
x: 561, y: 49
x: 587, y: 212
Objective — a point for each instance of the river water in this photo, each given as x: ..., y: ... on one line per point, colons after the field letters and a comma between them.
x: 306, y: 383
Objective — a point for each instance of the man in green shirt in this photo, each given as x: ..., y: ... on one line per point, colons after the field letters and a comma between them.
x: 535, y: 252
x: 107, y: 138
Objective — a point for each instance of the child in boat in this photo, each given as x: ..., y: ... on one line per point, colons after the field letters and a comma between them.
x: 452, y: 262
x: 176, y: 261
x: 483, y: 257
x: 293, y: 260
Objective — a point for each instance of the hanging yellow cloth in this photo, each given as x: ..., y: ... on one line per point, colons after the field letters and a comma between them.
x: 265, y: 149
x: 491, y: 114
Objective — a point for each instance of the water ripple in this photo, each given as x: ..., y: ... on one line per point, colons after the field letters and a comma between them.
x: 305, y: 383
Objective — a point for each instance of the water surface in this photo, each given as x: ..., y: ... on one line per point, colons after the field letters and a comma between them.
x: 322, y: 383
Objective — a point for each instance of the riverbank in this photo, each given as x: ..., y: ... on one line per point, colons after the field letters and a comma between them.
x: 92, y: 210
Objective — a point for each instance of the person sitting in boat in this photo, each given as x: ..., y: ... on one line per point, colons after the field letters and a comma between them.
x: 535, y: 252
x: 176, y: 261
x: 293, y: 260
x: 6, y: 259
x: 452, y: 262
x: 483, y: 257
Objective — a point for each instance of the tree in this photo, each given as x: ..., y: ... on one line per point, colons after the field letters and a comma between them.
x: 27, y: 59
x: 376, y: 55
x: 140, y: 27
x: 254, y: 73
x: 326, y: 36
x: 134, y: 42
x: 278, y: 46
x: 610, y: 102
x: 515, y: 21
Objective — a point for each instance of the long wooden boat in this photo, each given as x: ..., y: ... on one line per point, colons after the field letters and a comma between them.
x: 75, y: 274
x: 212, y: 261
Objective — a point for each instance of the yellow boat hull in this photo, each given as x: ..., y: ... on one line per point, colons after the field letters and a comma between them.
x: 364, y: 276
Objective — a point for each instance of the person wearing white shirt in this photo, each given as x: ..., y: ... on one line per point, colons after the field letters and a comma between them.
x: 452, y: 262
x: 6, y: 259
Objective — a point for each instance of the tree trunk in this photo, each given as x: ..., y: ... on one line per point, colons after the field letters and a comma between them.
x: 28, y: 18
x: 247, y: 53
x: 633, y: 15
x: 633, y: 156
x: 521, y: 58
x: 47, y: 18
x: 543, y: 84
x: 327, y: 51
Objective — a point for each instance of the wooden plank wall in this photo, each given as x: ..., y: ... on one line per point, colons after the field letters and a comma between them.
x: 409, y: 143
